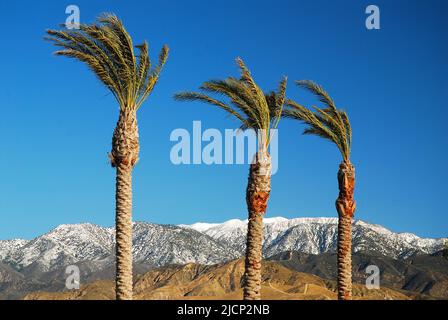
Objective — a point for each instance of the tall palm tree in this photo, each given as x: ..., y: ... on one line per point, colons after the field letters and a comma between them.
x: 333, y: 124
x: 107, y: 49
x: 260, y: 112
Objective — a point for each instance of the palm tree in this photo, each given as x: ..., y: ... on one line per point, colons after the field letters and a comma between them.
x: 333, y: 124
x: 107, y: 49
x: 260, y: 112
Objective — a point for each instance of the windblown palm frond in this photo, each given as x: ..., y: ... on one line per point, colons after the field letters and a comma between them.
x: 246, y: 101
x: 107, y: 49
x: 329, y: 122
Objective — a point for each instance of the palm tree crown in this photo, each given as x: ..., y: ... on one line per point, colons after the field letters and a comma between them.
x: 107, y: 49
x: 253, y: 108
x: 329, y: 122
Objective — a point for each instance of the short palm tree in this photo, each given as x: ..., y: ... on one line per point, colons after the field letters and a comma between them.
x: 333, y: 124
x: 107, y: 49
x: 260, y: 112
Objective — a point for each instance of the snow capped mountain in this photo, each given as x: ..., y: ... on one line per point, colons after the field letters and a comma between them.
x: 200, y: 226
x: 204, y: 243
x: 168, y: 244
x: 64, y: 245
x: 9, y: 246
x: 317, y: 235
x: 153, y: 244
x: 233, y: 233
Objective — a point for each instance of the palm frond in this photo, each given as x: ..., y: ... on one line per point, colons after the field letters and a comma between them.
x: 328, y: 123
x: 144, y: 65
x: 153, y: 76
x: 247, y: 102
x: 278, y: 101
x: 323, y: 96
x: 348, y: 127
x: 318, y: 91
x: 331, y: 122
x: 196, y: 96
x: 298, y: 112
x: 107, y: 48
x: 125, y: 40
x: 257, y: 94
x: 239, y: 95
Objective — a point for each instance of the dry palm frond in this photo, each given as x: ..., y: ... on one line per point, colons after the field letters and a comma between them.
x: 246, y: 101
x: 329, y: 123
x: 107, y: 49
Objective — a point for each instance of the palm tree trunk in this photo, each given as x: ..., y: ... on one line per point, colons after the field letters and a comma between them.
x: 124, y: 156
x: 257, y: 195
x: 345, y: 205
x: 123, y: 224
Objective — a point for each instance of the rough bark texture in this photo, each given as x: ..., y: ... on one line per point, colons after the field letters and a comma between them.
x: 257, y: 195
x: 125, y: 141
x: 345, y: 205
x: 124, y: 155
x: 123, y: 225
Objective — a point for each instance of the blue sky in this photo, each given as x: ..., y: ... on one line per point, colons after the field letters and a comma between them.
x: 57, y: 120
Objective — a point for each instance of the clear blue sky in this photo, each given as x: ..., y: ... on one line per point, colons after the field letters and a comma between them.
x: 57, y: 119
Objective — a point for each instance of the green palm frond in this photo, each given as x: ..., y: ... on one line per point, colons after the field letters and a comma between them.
x: 148, y: 83
x: 347, y: 126
x: 238, y: 93
x: 318, y: 91
x: 264, y: 115
x: 326, y: 117
x: 329, y: 123
x: 324, y: 97
x: 298, y: 112
x: 278, y: 101
x: 246, y: 101
x: 107, y: 49
x: 195, y: 96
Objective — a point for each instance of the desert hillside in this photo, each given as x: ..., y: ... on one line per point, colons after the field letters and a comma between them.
x: 223, y: 281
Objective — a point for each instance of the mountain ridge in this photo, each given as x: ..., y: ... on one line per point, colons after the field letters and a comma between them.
x: 203, y: 243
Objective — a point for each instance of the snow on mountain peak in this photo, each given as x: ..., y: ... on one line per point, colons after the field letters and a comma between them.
x: 201, y: 226
x: 317, y: 235
x: 204, y: 243
x: 274, y: 220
